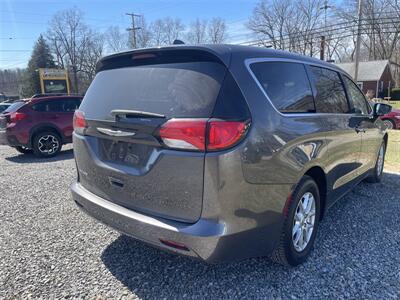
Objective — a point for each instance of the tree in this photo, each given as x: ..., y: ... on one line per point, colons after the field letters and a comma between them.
x: 165, y: 31
x: 197, y: 33
x: 380, y: 27
x: 173, y: 29
x: 271, y: 23
x: 116, y: 40
x: 217, y: 31
x: 73, y: 42
x: 41, y: 58
x: 144, y: 34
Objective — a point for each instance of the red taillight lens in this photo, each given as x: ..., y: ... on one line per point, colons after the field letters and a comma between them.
x: 17, y: 116
x: 184, y: 133
x: 224, y: 134
x: 191, y: 134
x: 79, y: 121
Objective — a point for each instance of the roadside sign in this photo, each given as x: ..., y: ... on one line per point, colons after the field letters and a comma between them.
x: 54, y: 81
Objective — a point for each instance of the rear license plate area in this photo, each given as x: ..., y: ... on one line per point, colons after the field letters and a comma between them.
x: 131, y: 154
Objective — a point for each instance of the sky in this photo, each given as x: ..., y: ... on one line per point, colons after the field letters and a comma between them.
x: 22, y: 21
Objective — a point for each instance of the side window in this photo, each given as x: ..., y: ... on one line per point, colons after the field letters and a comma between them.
x: 71, y: 105
x: 42, y: 107
x: 55, y: 106
x: 286, y: 84
x: 330, y: 94
x: 357, y: 100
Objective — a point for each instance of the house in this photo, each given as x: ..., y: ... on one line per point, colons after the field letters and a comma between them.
x: 375, y: 78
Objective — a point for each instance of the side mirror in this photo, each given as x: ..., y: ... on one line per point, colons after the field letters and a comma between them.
x: 381, y: 109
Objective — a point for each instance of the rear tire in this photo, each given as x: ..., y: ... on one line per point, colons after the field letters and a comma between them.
x: 380, y: 163
x: 46, y: 144
x: 23, y: 150
x: 296, y: 228
x: 389, y: 124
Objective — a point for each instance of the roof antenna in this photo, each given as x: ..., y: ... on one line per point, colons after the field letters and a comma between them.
x: 178, y: 42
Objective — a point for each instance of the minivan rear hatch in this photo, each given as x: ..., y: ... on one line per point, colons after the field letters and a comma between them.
x: 120, y: 155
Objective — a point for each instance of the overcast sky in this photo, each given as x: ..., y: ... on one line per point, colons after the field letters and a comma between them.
x: 21, y: 21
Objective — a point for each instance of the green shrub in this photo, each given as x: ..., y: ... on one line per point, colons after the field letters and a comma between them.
x: 395, y: 94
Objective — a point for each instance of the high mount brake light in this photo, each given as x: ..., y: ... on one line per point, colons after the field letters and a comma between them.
x: 202, y: 134
x: 79, y: 122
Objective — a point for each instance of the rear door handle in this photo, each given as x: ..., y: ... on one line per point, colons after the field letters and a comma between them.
x: 118, y: 133
x: 358, y: 129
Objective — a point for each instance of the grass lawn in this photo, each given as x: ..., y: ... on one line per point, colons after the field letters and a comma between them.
x: 392, y: 161
x: 395, y: 104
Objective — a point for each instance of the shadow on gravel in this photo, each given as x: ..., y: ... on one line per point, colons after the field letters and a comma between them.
x: 343, y: 262
x: 30, y: 158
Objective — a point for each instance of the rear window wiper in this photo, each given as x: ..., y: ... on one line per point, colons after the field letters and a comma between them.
x: 135, y: 113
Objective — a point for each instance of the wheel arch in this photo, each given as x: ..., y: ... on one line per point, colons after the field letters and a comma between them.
x: 385, y: 139
x: 44, y: 127
x: 320, y: 178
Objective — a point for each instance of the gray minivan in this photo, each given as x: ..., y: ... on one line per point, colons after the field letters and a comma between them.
x: 222, y: 152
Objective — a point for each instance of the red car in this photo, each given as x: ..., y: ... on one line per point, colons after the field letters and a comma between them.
x: 392, y: 119
x: 39, y: 125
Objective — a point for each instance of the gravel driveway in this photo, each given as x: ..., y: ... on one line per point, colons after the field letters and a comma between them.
x: 49, y: 249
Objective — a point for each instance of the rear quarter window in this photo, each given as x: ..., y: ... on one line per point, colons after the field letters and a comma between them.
x: 174, y: 90
x: 330, y: 94
x: 14, y: 107
x: 286, y: 85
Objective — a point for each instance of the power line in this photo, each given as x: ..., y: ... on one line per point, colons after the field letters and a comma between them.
x: 331, y: 29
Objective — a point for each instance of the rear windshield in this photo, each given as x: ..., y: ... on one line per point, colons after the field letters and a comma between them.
x: 14, y: 107
x: 174, y: 90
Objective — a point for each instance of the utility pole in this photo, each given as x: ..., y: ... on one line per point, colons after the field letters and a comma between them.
x: 358, y: 40
x: 323, y: 40
x: 322, y: 51
x: 133, y: 28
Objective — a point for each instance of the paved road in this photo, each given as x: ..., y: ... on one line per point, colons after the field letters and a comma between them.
x: 49, y: 249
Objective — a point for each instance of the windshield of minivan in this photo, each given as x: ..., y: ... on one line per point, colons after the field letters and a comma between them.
x: 174, y: 90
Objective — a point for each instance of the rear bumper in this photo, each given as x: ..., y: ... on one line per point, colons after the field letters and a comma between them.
x: 200, y: 238
x: 3, y: 137
x: 207, y: 240
x: 9, y: 139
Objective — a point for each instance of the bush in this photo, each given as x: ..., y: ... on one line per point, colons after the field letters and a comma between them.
x: 395, y: 94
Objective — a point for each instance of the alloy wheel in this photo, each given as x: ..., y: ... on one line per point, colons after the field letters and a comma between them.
x: 48, y: 144
x: 388, y: 124
x: 304, y: 221
x: 379, y: 167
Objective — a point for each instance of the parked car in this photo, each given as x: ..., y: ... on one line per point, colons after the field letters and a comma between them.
x: 222, y: 152
x: 4, y: 106
x: 392, y: 119
x: 39, y: 125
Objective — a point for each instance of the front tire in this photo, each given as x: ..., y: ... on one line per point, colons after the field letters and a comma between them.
x: 379, y: 165
x: 46, y: 144
x: 300, y: 225
x: 23, y: 150
x: 389, y: 124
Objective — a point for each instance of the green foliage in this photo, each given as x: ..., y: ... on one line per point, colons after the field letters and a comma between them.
x: 395, y: 94
x: 41, y: 58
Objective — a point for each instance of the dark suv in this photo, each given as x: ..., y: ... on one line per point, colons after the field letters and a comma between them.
x: 222, y: 152
x: 41, y: 125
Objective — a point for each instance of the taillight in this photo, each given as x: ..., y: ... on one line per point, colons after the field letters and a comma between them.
x: 224, y: 134
x: 17, y: 116
x: 201, y: 135
x: 79, y: 122
x: 184, y: 133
